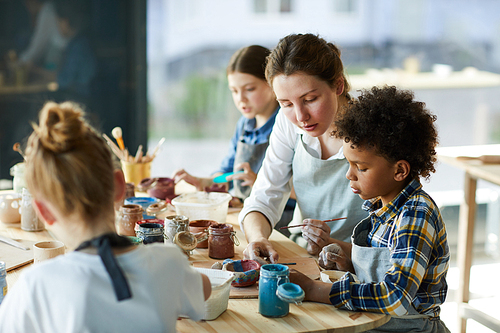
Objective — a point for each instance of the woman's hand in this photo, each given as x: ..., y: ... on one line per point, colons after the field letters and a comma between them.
x: 259, y: 250
x: 317, y: 235
x: 333, y: 257
x: 247, y: 176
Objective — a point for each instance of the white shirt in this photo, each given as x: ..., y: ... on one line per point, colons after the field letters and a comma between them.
x: 46, y: 36
x: 273, y: 185
x: 73, y: 293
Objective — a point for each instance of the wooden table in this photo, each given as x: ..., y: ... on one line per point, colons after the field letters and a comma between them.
x: 243, y: 315
x: 474, y: 170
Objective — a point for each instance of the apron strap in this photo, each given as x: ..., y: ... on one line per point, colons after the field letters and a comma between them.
x: 104, y: 244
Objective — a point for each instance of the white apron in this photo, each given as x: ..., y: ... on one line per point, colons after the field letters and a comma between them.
x: 370, y: 265
x: 323, y: 192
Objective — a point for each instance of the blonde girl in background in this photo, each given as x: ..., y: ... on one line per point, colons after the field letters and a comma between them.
x: 106, y: 284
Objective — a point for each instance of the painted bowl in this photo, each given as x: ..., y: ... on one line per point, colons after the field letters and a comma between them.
x: 246, y: 271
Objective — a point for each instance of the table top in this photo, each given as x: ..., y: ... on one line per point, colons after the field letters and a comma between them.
x: 476, y: 168
x: 242, y: 315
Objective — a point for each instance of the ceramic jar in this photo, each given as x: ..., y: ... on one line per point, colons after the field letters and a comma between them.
x: 127, y: 217
x: 10, y: 207
x: 173, y: 225
x: 271, y: 277
x: 221, y: 241
x: 29, y: 219
x: 150, y: 232
x: 199, y: 228
x: 17, y: 172
x: 3, y: 280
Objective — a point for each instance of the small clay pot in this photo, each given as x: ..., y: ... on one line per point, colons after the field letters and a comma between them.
x: 199, y: 228
x: 162, y: 188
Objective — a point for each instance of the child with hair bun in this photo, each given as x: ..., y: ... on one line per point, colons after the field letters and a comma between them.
x: 400, y: 251
x: 106, y: 284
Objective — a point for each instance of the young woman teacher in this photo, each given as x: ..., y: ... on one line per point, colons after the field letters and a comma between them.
x: 307, y: 77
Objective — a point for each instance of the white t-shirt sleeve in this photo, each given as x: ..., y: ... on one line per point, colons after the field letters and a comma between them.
x: 17, y: 315
x: 193, y: 299
x: 272, y: 187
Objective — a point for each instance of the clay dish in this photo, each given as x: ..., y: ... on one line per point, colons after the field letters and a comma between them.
x: 246, y: 271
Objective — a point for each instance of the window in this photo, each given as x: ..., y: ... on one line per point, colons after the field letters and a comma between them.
x: 344, y: 6
x: 272, y: 6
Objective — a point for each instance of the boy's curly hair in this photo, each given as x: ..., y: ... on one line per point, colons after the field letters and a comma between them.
x: 395, y: 125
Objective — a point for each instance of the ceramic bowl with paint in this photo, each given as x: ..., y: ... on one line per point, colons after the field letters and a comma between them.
x: 246, y: 271
x: 10, y: 207
x: 200, y: 228
x: 144, y: 202
x: 150, y: 232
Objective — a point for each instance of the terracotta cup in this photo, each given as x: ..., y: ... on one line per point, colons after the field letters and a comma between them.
x: 47, y: 250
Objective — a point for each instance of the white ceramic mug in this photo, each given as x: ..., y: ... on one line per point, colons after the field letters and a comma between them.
x: 47, y: 250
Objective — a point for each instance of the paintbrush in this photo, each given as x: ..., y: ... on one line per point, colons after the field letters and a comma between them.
x: 155, y: 151
x: 17, y: 147
x: 303, y: 225
x: 117, y: 134
x: 138, y: 155
x: 113, y: 147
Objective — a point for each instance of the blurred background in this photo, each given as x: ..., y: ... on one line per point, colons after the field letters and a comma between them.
x: 160, y: 72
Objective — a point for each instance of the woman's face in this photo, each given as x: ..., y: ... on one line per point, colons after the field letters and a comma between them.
x: 251, y: 95
x: 308, y: 102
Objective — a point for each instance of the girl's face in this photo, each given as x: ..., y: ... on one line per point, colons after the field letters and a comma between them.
x: 308, y: 102
x: 251, y: 95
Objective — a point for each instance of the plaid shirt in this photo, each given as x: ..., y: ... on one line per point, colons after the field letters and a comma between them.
x: 412, y: 227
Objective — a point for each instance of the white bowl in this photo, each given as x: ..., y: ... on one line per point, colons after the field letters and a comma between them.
x: 332, y: 276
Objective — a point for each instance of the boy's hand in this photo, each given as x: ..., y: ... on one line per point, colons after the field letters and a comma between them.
x: 315, y: 291
x: 333, y: 257
x: 317, y: 235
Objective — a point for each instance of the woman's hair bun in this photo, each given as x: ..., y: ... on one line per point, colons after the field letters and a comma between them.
x: 61, y: 126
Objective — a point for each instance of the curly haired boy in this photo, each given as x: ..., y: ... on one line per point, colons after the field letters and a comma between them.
x: 400, y: 251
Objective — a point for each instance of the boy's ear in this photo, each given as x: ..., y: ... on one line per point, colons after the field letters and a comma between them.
x: 402, y: 170
x: 44, y: 212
